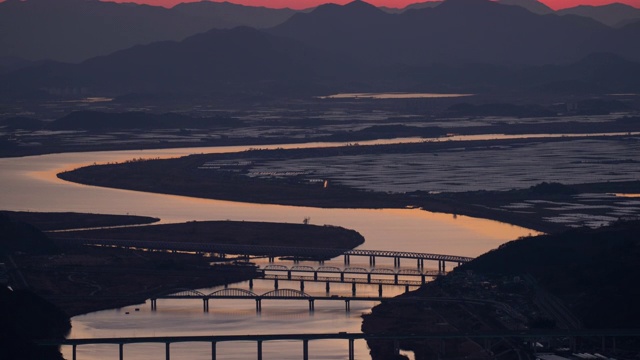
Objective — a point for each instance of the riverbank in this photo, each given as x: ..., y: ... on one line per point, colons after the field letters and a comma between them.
x: 281, y: 177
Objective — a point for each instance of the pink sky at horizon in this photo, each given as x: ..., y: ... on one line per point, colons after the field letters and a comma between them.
x: 304, y: 4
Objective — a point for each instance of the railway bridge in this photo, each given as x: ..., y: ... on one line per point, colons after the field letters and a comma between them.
x: 298, y: 253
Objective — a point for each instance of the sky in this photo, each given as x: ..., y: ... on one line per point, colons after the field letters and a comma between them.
x: 303, y: 4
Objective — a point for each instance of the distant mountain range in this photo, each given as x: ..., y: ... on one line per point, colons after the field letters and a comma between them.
x: 457, y: 31
x: 615, y: 15
x: 75, y: 30
x: 459, y: 45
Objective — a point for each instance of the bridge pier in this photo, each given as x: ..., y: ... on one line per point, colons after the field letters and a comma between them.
x: 396, y: 262
x: 258, y: 305
x: 289, y: 274
x: 213, y: 350
x: 406, y: 288
x: 250, y: 283
x: 395, y: 279
x: 205, y: 305
x: 73, y: 352
x: 328, y: 287
x: 275, y: 284
x: 315, y: 275
x: 271, y: 259
x: 305, y: 349
x: 352, y: 352
x: 369, y: 278
x: 420, y: 264
x: 423, y: 278
x: 154, y: 304
x: 347, y: 305
x: 167, y: 350
x: 347, y: 260
x: 312, y: 306
x: 259, y: 349
x: 353, y: 289
x: 302, y: 285
x: 372, y: 260
x: 380, y: 290
x: 121, y: 351
x: 342, y: 277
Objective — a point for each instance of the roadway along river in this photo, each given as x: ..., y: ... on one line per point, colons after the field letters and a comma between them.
x: 30, y: 184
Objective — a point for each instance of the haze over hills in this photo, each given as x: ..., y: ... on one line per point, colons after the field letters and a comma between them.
x: 458, y: 31
x: 75, y: 30
x: 615, y: 15
x: 460, y: 45
x: 534, y: 6
x: 218, y: 60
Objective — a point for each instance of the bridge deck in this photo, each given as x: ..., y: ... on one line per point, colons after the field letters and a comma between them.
x: 541, y: 333
x: 260, y: 250
x: 347, y: 280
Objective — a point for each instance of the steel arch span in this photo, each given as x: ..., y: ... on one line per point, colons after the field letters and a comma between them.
x: 184, y: 292
x: 302, y: 268
x: 233, y: 292
x: 276, y: 268
x: 286, y: 293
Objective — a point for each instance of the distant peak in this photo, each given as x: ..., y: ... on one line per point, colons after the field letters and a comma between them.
x: 358, y: 6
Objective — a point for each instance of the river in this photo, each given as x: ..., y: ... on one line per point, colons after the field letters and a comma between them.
x: 30, y: 184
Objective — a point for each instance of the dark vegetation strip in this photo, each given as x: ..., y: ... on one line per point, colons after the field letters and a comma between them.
x: 70, y: 220
x: 232, y: 232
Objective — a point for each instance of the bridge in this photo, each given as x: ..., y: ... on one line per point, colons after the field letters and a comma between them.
x: 365, y: 275
x: 319, y: 254
x: 278, y: 294
x: 529, y: 336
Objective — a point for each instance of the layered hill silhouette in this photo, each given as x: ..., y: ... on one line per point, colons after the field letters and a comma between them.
x: 614, y: 15
x: 75, y: 30
x: 457, y: 31
x: 459, y: 45
x: 215, y: 61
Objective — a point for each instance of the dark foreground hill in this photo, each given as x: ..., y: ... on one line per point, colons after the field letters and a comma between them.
x: 583, y: 278
x: 593, y: 271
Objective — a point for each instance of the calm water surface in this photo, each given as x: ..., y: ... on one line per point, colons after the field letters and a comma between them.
x: 30, y: 184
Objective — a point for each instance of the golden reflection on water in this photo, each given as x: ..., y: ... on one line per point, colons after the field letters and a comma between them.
x: 628, y: 195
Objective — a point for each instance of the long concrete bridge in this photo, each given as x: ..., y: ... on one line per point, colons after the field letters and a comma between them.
x: 529, y: 336
x: 319, y: 254
x: 359, y: 274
